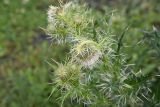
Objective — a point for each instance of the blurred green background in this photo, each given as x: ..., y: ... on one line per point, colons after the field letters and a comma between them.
x: 24, y: 74
x: 24, y: 47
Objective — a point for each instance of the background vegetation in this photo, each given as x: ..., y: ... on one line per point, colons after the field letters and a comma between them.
x: 24, y: 47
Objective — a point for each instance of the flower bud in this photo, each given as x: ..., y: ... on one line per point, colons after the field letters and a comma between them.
x: 87, y: 53
x: 67, y: 75
x: 57, y: 27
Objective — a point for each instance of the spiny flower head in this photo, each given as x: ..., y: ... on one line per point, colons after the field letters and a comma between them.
x: 54, y: 12
x: 87, y: 53
x: 67, y: 75
x: 67, y: 21
x: 57, y: 22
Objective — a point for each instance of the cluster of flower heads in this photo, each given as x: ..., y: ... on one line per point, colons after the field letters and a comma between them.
x: 66, y: 24
x: 73, y: 23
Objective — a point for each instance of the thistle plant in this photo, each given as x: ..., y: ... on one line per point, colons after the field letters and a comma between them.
x: 95, y: 74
